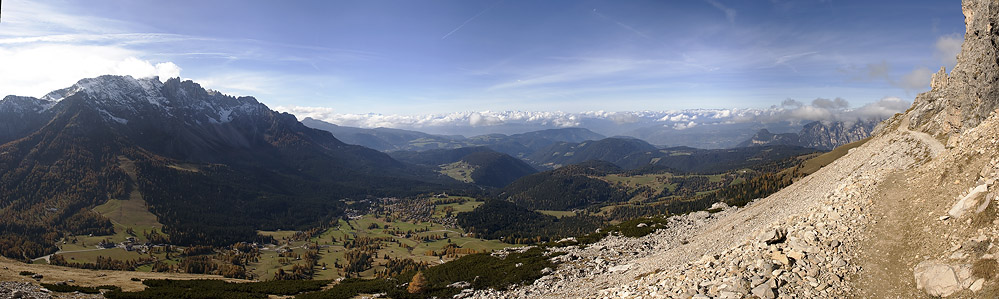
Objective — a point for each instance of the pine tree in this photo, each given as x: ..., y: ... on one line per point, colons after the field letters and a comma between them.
x: 417, y: 284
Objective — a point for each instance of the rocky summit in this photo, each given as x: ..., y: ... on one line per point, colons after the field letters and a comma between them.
x: 910, y: 214
x: 818, y: 135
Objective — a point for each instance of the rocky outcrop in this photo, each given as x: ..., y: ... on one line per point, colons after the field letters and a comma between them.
x: 829, y: 136
x: 764, y: 138
x: 18, y: 290
x: 961, y: 100
x: 818, y: 135
x: 19, y: 116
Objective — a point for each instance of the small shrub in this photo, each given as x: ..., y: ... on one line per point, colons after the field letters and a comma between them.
x: 209, y: 288
x: 65, y: 288
x: 985, y: 268
x: 26, y: 273
x: 417, y: 284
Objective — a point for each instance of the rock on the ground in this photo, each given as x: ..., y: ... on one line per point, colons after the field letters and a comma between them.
x: 973, y: 201
x: 938, y: 278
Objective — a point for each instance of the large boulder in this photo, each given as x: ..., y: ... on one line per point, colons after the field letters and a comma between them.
x: 941, y: 279
x: 975, y: 200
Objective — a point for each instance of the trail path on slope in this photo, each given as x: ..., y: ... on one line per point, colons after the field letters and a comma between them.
x: 893, y: 244
x: 834, y: 203
x: 909, y: 210
x: 933, y: 144
x: 672, y: 252
x: 899, y: 238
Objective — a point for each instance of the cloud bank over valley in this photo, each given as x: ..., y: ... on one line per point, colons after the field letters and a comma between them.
x: 788, y: 115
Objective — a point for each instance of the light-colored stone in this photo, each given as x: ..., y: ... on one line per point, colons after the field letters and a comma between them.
x: 974, y: 200
x: 977, y: 285
x: 617, y: 268
x: 936, y: 278
x: 796, y: 255
x: 779, y: 258
x: 763, y: 291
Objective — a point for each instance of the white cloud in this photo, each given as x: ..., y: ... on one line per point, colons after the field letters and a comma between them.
x: 43, y: 48
x: 811, y: 113
x: 917, y: 79
x: 479, y: 119
x: 883, y: 108
x: 34, y: 70
x: 947, y: 48
x: 142, y: 68
x: 836, y: 110
x: 166, y: 70
x: 791, y: 103
x: 456, y: 119
x: 730, y: 13
x: 790, y: 111
x: 321, y: 113
x: 684, y: 126
x: 623, y: 118
x: 240, y: 83
x: 838, y: 103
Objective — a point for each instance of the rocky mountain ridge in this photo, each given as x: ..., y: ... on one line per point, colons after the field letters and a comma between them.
x: 909, y: 214
x: 817, y: 135
x: 388, y: 139
x: 213, y: 168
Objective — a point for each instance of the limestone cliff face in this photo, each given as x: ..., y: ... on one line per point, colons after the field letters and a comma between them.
x: 816, y: 135
x: 829, y: 136
x: 962, y: 99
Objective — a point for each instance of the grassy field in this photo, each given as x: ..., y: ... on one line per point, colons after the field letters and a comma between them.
x: 459, y: 171
x: 332, y: 248
x: 654, y: 181
x: 440, y: 210
x: 124, y: 215
x: 10, y: 271
x: 636, y: 181
x: 814, y: 164
x: 558, y: 214
x: 91, y: 256
x: 132, y: 213
x: 714, y: 178
x: 277, y: 235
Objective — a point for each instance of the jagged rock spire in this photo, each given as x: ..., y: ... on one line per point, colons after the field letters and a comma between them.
x: 961, y: 100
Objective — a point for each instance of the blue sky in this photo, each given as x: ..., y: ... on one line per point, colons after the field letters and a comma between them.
x: 422, y: 57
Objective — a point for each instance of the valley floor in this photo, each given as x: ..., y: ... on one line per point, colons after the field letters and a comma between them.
x: 10, y: 270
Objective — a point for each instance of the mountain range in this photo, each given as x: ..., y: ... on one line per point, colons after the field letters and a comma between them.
x: 387, y: 139
x: 817, y: 135
x: 213, y: 168
x: 552, y: 148
x: 476, y: 164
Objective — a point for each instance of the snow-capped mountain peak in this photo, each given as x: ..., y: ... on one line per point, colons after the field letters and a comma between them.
x: 18, y: 104
x: 121, y: 99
